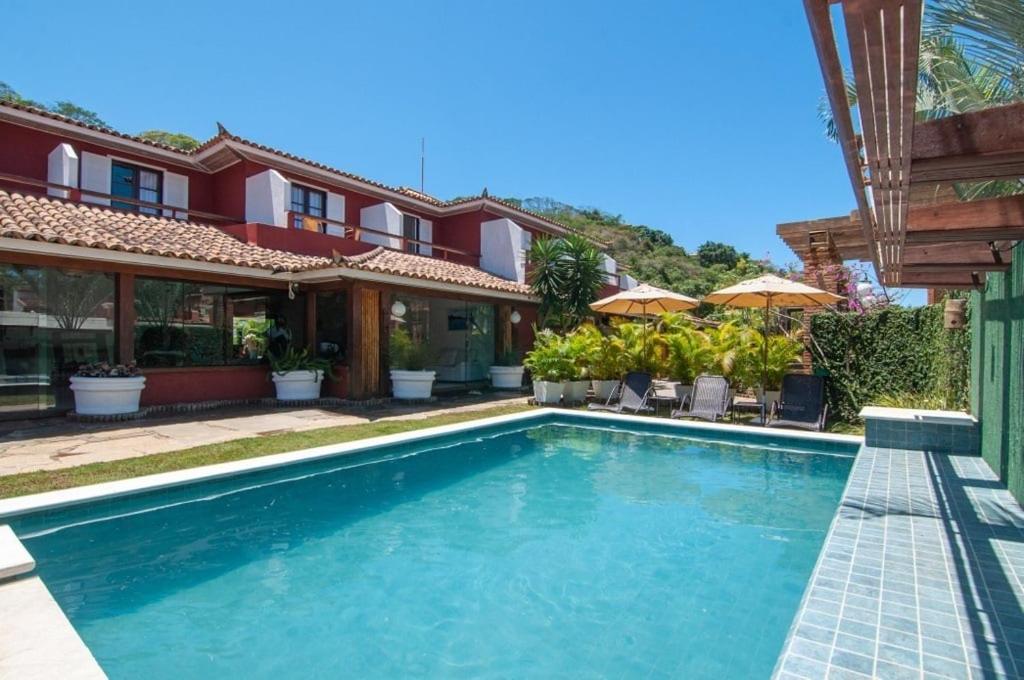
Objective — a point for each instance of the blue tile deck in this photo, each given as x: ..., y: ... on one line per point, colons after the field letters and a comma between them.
x: 921, y: 576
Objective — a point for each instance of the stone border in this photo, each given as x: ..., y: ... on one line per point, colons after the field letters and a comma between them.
x: 55, y: 499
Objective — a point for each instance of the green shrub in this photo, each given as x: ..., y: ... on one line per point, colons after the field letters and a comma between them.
x: 550, y: 359
x: 891, y: 351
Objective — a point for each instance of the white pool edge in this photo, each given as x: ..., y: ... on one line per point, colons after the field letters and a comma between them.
x: 51, y: 500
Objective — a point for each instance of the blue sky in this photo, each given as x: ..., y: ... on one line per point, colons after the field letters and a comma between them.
x: 695, y: 118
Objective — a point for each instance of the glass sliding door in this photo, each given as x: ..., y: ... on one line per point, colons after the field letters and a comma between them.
x: 51, y: 321
x: 459, y: 335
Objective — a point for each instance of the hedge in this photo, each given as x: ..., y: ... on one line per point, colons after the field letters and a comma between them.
x: 895, y: 352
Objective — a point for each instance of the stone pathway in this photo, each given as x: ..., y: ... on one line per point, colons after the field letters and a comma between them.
x: 59, y: 444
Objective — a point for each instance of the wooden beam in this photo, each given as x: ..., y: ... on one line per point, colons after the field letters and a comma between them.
x: 820, y: 21
x: 991, y: 213
x: 998, y: 129
x: 950, y: 267
x: 884, y: 38
x: 976, y: 146
x: 949, y: 280
x: 977, y: 255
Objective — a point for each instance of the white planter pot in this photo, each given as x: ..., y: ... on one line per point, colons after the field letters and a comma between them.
x: 507, y: 377
x: 298, y: 385
x: 412, y: 384
x: 575, y: 391
x: 547, y: 392
x: 603, y: 388
x: 107, y: 396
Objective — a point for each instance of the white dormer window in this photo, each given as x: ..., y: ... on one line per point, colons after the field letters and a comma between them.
x: 140, y: 184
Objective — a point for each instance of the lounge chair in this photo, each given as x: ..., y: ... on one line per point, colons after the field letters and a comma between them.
x: 802, y: 403
x: 709, y: 399
x: 630, y: 395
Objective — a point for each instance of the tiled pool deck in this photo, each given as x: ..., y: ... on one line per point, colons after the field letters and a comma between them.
x: 921, y: 576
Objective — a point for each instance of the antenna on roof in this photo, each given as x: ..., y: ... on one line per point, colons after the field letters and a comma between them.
x: 423, y: 161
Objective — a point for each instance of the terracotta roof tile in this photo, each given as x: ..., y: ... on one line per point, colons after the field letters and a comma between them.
x: 385, y: 261
x: 56, y: 221
x: 52, y: 220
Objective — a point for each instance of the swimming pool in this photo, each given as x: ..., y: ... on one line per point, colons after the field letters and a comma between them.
x: 548, y: 547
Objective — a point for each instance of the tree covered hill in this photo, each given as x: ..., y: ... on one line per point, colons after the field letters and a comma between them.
x: 650, y: 254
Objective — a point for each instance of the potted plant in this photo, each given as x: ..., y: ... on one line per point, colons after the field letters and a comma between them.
x: 688, y: 354
x: 507, y: 371
x: 410, y: 377
x: 104, y: 389
x: 549, y: 364
x: 297, y: 375
x: 782, y: 353
x: 577, y: 345
x: 605, y: 361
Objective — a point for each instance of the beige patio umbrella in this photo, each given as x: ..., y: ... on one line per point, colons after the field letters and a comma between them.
x: 769, y: 291
x: 642, y: 301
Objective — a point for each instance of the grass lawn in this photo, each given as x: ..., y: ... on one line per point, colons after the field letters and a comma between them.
x: 93, y: 473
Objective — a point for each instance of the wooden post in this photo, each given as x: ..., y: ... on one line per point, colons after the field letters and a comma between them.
x: 124, y: 317
x: 503, y: 339
x: 311, y: 321
x: 365, y: 342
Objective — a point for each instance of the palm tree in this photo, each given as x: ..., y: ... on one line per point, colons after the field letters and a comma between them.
x: 566, y: 274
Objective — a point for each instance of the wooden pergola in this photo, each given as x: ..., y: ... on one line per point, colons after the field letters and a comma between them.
x: 908, y: 222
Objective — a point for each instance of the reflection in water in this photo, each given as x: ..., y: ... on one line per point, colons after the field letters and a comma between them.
x: 549, y: 551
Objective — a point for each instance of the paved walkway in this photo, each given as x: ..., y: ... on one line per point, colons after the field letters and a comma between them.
x: 922, y: 576
x: 60, y: 444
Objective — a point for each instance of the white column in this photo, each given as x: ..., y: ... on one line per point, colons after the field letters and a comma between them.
x: 267, y: 196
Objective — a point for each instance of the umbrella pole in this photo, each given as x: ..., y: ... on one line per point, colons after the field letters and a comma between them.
x: 764, y: 351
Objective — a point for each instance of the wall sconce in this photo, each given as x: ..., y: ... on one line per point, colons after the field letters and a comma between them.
x: 515, y: 317
x: 398, y: 309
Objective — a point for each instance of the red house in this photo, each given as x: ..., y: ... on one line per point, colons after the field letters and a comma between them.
x: 116, y: 248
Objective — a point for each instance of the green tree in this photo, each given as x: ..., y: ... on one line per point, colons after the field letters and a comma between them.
x: 178, y: 140
x: 76, y: 112
x: 713, y: 252
x: 566, y: 274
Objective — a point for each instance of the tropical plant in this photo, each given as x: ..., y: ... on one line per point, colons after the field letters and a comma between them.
x: 550, y: 359
x: 735, y: 351
x: 299, y: 360
x: 688, y: 354
x: 604, y: 357
x: 643, y: 348
x: 406, y: 355
x: 783, y: 352
x: 566, y: 274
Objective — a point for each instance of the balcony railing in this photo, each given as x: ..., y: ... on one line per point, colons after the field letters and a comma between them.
x: 296, y: 220
x: 383, y: 238
x: 77, y: 195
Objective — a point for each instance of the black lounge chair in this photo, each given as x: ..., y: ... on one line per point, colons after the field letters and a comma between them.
x: 802, y: 403
x: 709, y: 399
x: 630, y: 395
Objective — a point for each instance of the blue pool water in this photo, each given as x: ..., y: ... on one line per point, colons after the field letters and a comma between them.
x: 554, y: 550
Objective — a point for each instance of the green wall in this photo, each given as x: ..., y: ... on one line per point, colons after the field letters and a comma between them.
x: 997, y: 372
